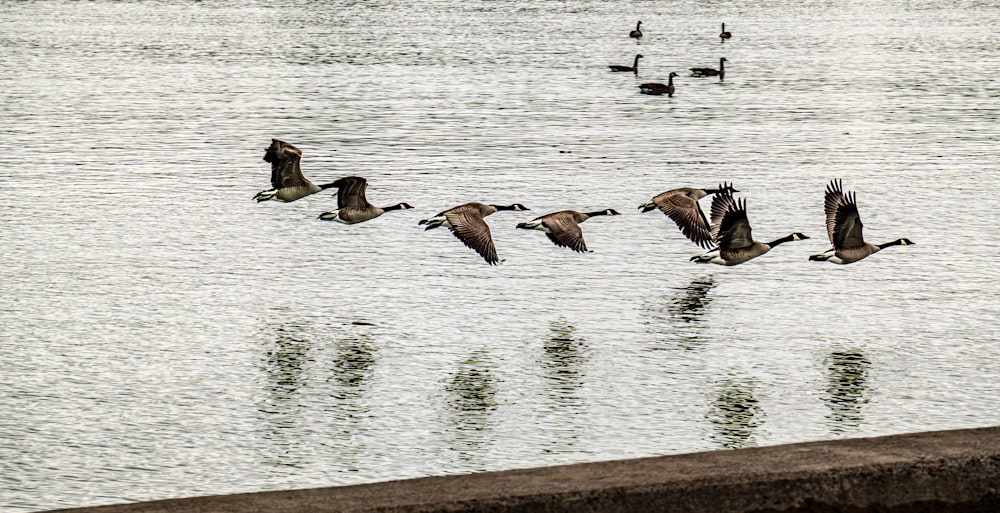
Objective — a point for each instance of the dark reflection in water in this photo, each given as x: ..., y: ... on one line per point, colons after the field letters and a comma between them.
x: 734, y: 414
x: 285, y: 362
x: 565, y: 355
x: 353, y: 363
x: 679, y: 319
x: 287, y: 356
x: 471, y: 400
x: 846, y: 389
x: 690, y: 303
x: 314, y: 380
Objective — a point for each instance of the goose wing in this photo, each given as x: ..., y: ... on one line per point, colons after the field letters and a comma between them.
x: 687, y: 214
x: 843, y: 223
x: 351, y: 192
x: 285, y: 168
x: 730, y: 226
x: 468, y: 226
x: 564, y: 230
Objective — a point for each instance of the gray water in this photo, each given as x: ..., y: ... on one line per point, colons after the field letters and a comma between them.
x: 163, y: 335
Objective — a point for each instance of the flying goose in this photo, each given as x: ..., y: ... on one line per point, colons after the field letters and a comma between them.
x: 658, y: 88
x: 466, y: 222
x: 731, y: 232
x: 725, y: 34
x: 634, y: 68
x: 352, y: 206
x: 287, y: 181
x: 681, y: 205
x: 563, y: 227
x: 709, y: 72
x: 636, y: 33
x: 843, y: 226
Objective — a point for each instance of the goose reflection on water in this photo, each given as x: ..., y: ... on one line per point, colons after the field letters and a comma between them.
x: 284, y: 364
x: 471, y: 401
x: 565, y: 354
x: 681, y: 314
x: 846, y: 390
x: 353, y: 364
x: 287, y: 358
x: 734, y: 413
x: 314, y: 373
x: 690, y: 304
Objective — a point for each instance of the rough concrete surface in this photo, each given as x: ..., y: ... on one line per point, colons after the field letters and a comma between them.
x: 941, y: 471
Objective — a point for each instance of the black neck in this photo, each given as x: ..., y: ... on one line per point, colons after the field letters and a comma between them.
x: 787, y: 238
x: 503, y: 207
x: 670, y: 80
x: 896, y: 242
x: 326, y: 186
x: 398, y: 206
x: 598, y: 213
x: 635, y: 63
x: 722, y: 64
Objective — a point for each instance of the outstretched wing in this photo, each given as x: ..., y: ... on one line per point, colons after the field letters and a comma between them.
x: 564, y: 231
x: 470, y: 228
x: 687, y: 214
x: 730, y: 226
x: 351, y: 192
x: 843, y: 223
x: 285, y: 168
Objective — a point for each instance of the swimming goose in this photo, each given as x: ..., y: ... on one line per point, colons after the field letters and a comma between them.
x: 352, y: 206
x: 843, y: 226
x: 731, y: 232
x: 709, y: 72
x: 636, y: 33
x: 287, y: 181
x: 658, y: 88
x: 563, y: 227
x: 466, y: 222
x: 634, y: 68
x: 681, y: 205
x: 725, y: 34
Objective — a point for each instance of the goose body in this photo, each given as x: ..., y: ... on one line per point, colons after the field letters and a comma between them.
x: 467, y: 224
x: 563, y: 227
x: 844, y: 227
x: 636, y: 34
x: 657, y: 88
x: 634, y: 68
x: 681, y: 206
x: 287, y: 181
x: 732, y: 234
x: 724, y: 35
x: 710, y: 72
x: 352, y: 206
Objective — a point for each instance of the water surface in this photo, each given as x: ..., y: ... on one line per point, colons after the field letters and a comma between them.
x: 161, y: 335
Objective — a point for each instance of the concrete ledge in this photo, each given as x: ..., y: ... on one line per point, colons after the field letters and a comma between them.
x: 941, y: 471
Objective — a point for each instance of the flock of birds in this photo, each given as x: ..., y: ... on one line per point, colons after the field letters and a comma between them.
x: 728, y: 237
x: 657, y: 88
